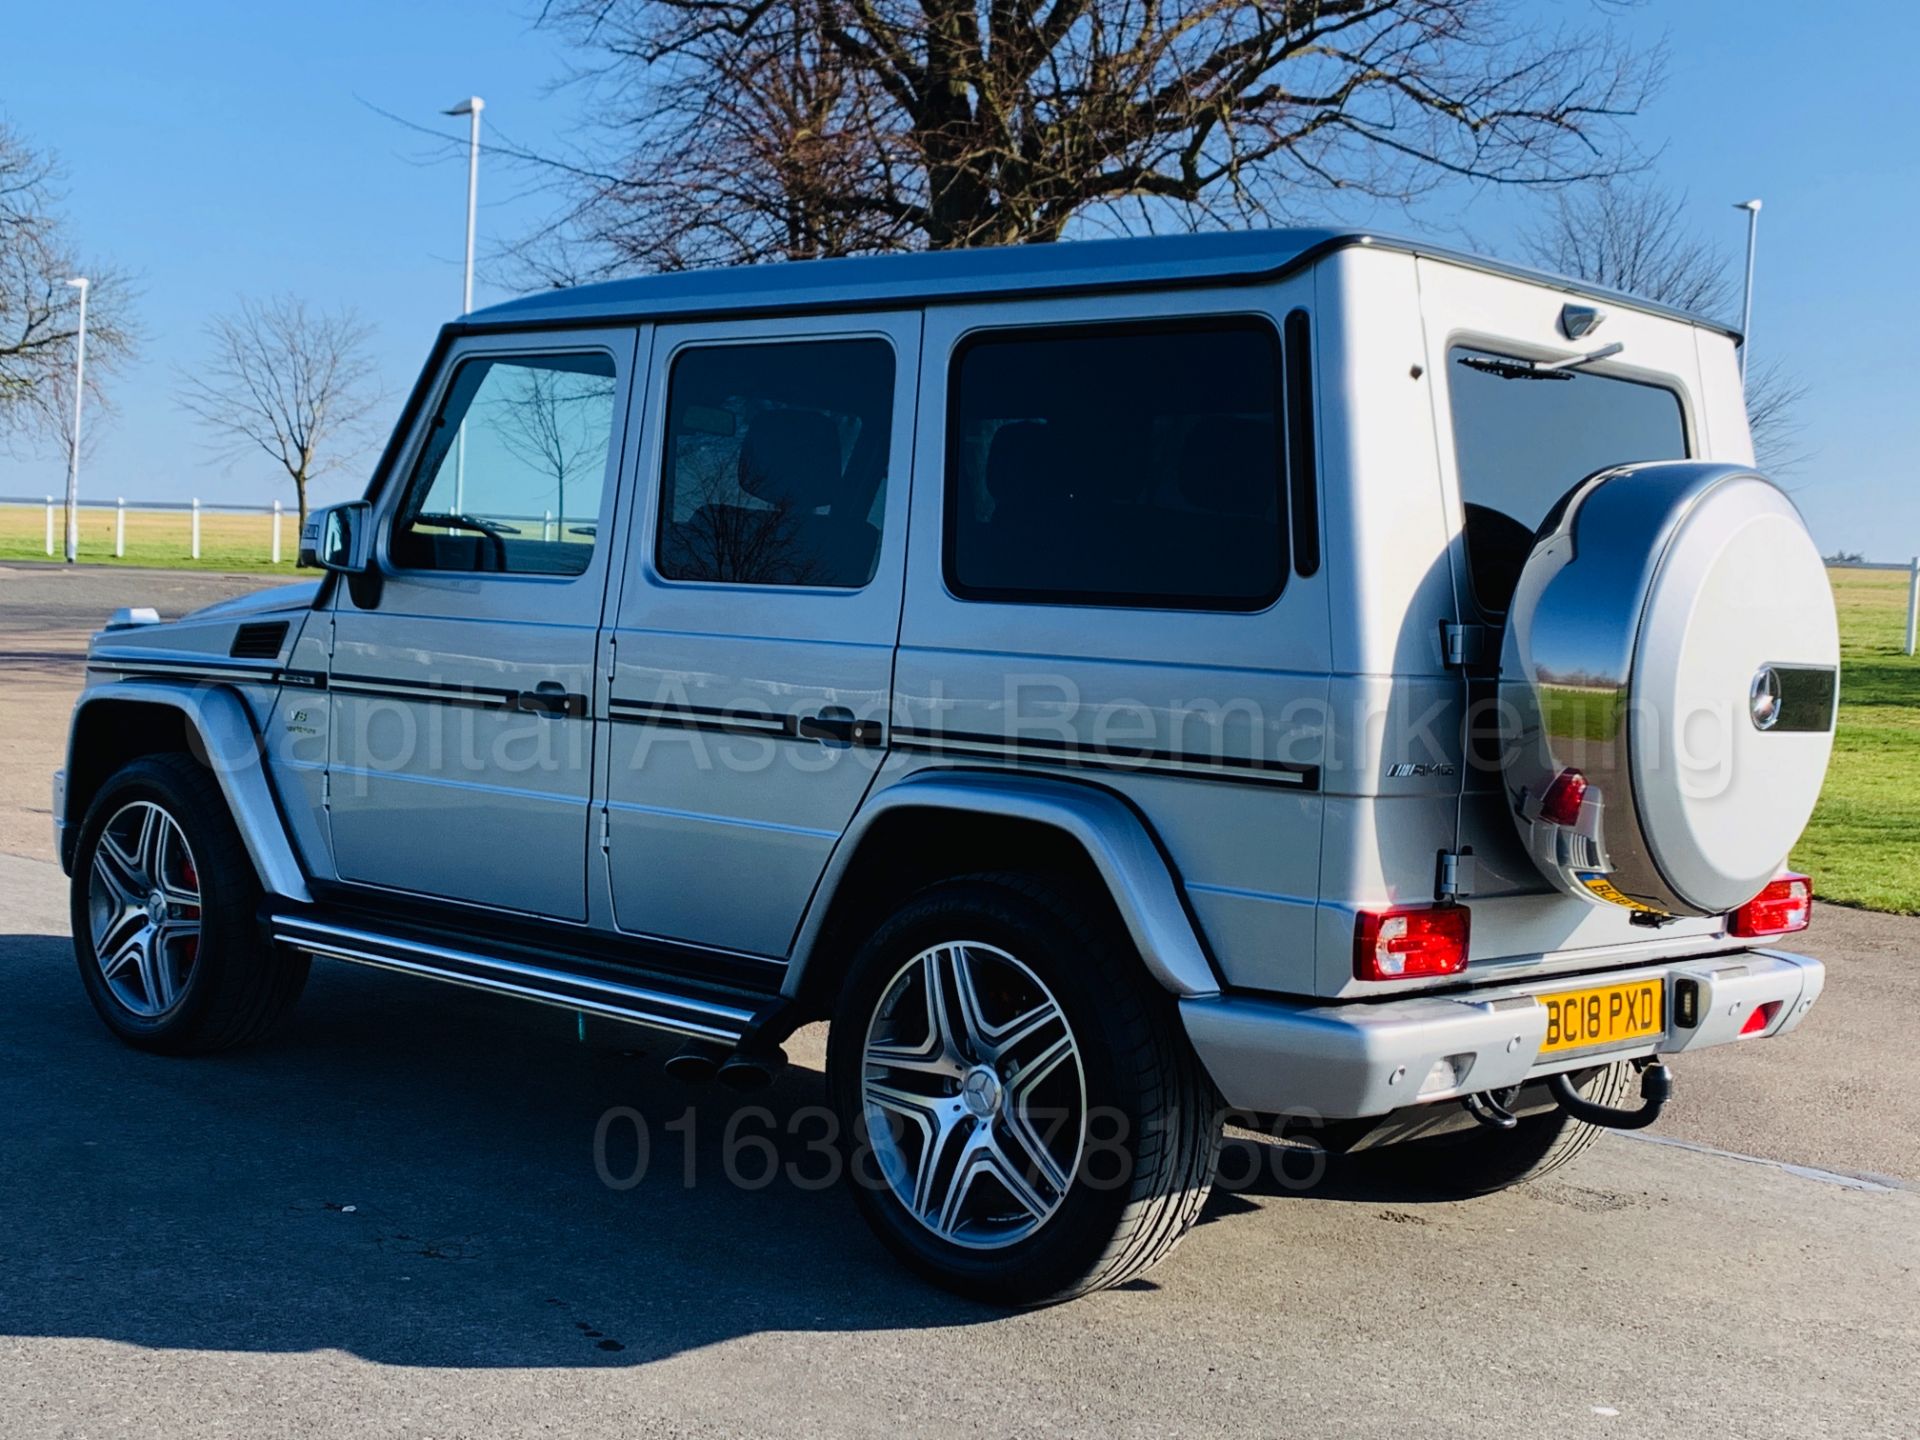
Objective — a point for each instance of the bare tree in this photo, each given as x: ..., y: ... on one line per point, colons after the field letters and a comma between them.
x: 293, y: 382
x: 745, y: 130
x: 1634, y: 237
x: 556, y: 422
x: 39, y: 311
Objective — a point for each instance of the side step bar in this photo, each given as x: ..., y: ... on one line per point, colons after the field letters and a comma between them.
x: 606, y: 995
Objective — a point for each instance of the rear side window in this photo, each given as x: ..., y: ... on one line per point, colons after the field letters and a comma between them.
x: 1522, y: 441
x: 776, y: 463
x: 1118, y: 465
x: 512, y: 475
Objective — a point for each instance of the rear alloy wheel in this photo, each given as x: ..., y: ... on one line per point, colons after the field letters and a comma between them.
x: 973, y: 1095
x: 165, y: 902
x: 1028, y: 1120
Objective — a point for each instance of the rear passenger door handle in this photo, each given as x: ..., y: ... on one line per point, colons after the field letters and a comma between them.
x: 842, y: 728
x: 550, y: 698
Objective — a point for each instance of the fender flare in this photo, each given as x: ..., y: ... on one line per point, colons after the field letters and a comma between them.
x: 1123, y: 851
x: 229, y: 746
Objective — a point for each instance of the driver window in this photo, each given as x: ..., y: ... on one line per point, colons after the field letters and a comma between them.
x: 511, y: 478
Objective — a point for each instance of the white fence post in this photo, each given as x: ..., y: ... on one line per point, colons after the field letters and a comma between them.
x: 1913, y: 602
x: 120, y: 528
x: 276, y: 532
x: 49, y: 524
x: 546, y: 526
x: 196, y: 530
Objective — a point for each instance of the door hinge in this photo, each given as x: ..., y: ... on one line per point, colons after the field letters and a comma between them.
x: 326, y: 789
x: 606, y: 836
x: 1455, y: 880
x: 1464, y: 645
x: 613, y: 657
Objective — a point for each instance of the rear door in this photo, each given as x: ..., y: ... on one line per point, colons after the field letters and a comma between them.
x: 461, y: 757
x: 1512, y: 446
x: 751, y: 656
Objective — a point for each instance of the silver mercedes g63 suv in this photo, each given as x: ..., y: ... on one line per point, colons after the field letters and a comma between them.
x: 1116, y: 684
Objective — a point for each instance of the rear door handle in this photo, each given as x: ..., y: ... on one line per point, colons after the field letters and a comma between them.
x: 550, y: 697
x: 842, y: 728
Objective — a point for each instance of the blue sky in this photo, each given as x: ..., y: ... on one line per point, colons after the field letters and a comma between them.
x: 225, y: 148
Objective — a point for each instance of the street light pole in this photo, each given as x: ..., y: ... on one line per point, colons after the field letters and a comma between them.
x: 1752, y: 207
x: 79, y: 282
x: 471, y: 108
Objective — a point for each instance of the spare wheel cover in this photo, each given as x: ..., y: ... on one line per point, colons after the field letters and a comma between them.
x: 1672, y: 642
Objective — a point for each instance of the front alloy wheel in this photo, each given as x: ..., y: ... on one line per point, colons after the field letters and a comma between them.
x: 165, y: 905
x: 974, y: 1093
x: 143, y: 905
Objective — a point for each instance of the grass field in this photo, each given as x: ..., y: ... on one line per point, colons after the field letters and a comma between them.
x: 227, y: 542
x: 1863, y: 847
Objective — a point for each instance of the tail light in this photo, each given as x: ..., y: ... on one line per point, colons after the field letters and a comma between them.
x: 1784, y: 906
x: 1405, y: 944
x: 1561, y: 803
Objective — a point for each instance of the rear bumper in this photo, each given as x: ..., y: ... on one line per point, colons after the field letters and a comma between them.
x: 1346, y: 1061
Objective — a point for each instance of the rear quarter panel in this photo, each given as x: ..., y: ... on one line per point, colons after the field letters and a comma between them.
x: 1234, y: 685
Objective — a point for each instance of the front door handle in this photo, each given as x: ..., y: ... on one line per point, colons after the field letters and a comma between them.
x: 550, y: 697
x: 841, y: 728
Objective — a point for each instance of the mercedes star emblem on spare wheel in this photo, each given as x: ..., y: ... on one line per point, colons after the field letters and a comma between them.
x: 1763, y: 699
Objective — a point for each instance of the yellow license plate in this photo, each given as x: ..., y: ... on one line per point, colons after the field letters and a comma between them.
x: 1605, y: 1015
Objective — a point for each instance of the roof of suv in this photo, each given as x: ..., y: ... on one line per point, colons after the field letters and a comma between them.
x: 959, y: 276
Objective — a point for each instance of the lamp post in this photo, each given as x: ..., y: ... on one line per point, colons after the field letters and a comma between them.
x: 79, y: 282
x: 471, y: 108
x: 1752, y: 207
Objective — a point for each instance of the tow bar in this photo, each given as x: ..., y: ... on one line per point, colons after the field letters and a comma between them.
x: 1490, y: 1107
x: 1656, y: 1088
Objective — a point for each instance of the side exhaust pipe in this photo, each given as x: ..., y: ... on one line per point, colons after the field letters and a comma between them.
x: 743, y: 1069
x: 751, y: 1069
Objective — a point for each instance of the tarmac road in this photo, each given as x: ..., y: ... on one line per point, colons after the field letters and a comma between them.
x: 390, y: 1221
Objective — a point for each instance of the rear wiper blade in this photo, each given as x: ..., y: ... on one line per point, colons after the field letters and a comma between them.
x: 1539, y: 369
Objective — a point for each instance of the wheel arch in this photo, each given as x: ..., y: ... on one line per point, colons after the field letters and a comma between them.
x: 115, y: 725
x: 958, y: 822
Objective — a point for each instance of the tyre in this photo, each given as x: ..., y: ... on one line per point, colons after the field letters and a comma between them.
x: 1481, y: 1161
x: 164, y: 903
x: 1029, y: 1122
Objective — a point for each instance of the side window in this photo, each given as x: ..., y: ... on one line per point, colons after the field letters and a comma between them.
x: 1118, y: 465
x: 511, y: 477
x: 776, y: 463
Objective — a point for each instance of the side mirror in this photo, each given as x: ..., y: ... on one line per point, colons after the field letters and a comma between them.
x: 339, y: 537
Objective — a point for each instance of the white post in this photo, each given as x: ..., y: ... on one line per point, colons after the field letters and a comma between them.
x: 1913, y: 602
x: 276, y: 532
x: 471, y: 108
x: 196, y: 530
x: 79, y: 390
x: 120, y: 528
x: 49, y: 525
x: 474, y: 106
x: 546, y: 526
x: 1752, y: 207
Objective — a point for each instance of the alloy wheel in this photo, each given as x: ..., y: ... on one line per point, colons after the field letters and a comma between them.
x: 143, y: 905
x: 974, y: 1094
